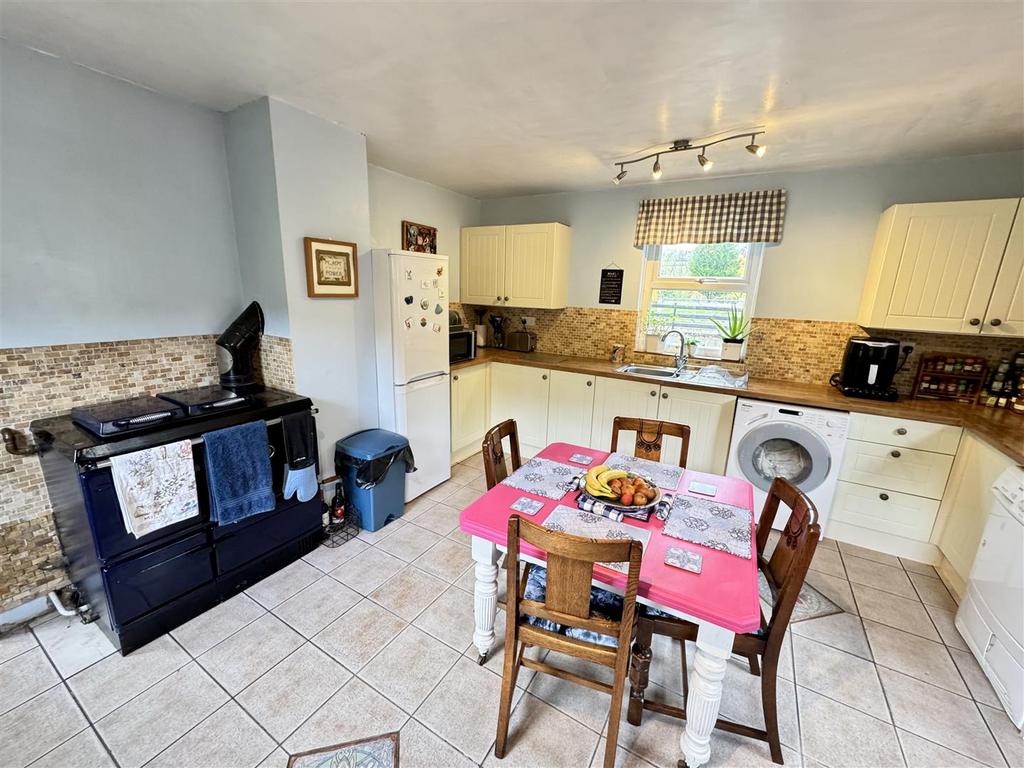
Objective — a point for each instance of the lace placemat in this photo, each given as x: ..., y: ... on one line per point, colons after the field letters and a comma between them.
x: 544, y: 478
x: 587, y: 524
x: 711, y: 524
x: 664, y: 475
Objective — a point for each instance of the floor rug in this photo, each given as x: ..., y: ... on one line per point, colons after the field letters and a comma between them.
x: 811, y: 604
x: 374, y: 752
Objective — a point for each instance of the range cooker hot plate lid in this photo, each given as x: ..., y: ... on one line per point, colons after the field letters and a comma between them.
x: 213, y: 396
x: 124, y: 415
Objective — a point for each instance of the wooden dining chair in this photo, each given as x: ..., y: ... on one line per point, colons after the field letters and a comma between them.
x: 784, y: 570
x: 649, y: 434
x: 564, y: 607
x: 495, y: 469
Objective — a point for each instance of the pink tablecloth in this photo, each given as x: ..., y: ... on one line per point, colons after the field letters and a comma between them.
x: 724, y: 592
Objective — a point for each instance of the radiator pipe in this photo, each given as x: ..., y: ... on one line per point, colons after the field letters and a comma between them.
x: 62, y: 609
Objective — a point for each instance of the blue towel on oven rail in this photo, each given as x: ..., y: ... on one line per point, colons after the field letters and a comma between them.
x: 238, y: 472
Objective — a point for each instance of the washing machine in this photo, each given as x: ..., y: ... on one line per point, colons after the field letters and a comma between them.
x: 803, y: 445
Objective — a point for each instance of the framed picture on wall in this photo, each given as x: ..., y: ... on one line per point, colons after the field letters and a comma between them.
x: 331, y: 269
x: 419, y: 237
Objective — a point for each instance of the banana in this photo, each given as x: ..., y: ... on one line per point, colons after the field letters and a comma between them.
x: 611, y: 474
x: 594, y: 480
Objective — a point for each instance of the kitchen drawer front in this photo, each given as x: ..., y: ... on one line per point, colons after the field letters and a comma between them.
x: 904, y: 433
x: 886, y: 511
x: 139, y: 585
x: 238, y: 546
x: 905, y: 470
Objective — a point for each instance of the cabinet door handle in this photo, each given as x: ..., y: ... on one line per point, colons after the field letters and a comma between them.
x: 544, y: 377
x: 497, y: 298
x: 455, y: 378
x: 995, y: 321
x: 975, y: 321
x: 506, y: 298
x: 883, y: 496
x: 654, y: 393
x: 664, y: 395
x: 590, y: 383
x: 901, y: 430
x: 895, y: 454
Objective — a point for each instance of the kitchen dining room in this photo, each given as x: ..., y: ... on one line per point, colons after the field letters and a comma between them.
x: 617, y: 404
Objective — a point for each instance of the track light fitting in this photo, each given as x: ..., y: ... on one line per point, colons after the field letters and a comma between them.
x: 685, y: 145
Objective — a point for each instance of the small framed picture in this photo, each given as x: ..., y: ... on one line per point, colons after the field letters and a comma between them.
x: 419, y: 237
x: 331, y: 269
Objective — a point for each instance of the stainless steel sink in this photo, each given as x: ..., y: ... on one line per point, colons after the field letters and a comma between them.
x: 702, y: 375
x: 649, y: 370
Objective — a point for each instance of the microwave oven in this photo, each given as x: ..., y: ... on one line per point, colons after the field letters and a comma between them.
x: 461, y: 345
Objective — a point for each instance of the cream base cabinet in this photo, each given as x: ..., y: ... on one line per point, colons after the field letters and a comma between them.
x: 521, y: 393
x: 617, y: 397
x: 570, y: 408
x: 470, y: 409
x: 709, y: 416
x: 521, y: 265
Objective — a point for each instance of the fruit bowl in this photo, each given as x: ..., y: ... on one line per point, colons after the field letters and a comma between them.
x: 621, y: 490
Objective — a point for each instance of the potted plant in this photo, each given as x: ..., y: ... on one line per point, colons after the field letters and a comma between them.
x: 733, y: 333
x: 691, y: 347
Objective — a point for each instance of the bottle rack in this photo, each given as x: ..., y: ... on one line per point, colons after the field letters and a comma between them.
x: 950, y: 377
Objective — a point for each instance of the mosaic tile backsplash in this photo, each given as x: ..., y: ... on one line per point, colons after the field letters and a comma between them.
x: 43, y: 381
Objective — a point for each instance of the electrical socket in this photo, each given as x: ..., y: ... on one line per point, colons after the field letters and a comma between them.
x: 528, y: 321
x: 907, y: 347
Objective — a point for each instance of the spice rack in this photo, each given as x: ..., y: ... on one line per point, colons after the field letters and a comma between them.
x: 950, y: 377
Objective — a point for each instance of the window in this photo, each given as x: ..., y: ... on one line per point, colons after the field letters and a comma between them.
x: 687, y: 286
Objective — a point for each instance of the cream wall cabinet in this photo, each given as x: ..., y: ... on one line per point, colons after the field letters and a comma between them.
x: 521, y: 265
x: 709, y: 416
x: 938, y: 267
x: 520, y: 392
x: 618, y: 397
x: 570, y: 408
x: 470, y: 409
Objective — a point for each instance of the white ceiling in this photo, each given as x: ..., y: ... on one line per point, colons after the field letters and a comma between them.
x: 494, y: 98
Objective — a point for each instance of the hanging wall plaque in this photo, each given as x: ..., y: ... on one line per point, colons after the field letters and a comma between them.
x: 611, y: 286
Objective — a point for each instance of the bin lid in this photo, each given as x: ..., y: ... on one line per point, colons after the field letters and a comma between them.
x: 371, y: 444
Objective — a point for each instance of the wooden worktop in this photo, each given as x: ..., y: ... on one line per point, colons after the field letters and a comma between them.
x: 998, y: 427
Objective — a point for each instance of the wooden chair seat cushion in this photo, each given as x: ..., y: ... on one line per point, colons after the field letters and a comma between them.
x: 603, y: 605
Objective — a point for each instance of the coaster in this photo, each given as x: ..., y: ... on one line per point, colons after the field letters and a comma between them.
x: 684, y: 558
x: 581, y: 458
x: 704, y: 489
x: 527, y: 505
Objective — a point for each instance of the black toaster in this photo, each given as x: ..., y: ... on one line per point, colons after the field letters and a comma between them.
x: 521, y: 341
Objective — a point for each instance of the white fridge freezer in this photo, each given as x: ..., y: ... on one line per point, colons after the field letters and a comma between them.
x: 411, y: 337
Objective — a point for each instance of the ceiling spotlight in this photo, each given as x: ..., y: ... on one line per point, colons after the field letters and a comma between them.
x: 656, y: 170
x: 756, y: 149
x: 705, y: 161
x: 620, y: 175
x: 686, y: 145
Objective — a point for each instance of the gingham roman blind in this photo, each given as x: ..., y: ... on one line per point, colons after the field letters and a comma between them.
x: 738, y: 217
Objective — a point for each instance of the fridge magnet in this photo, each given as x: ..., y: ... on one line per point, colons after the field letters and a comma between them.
x: 419, y: 237
x: 424, y: 304
x: 409, y: 299
x: 408, y: 274
x: 438, y: 309
x: 440, y: 271
x: 437, y: 328
x: 331, y: 269
x: 423, y: 322
x: 425, y: 284
x: 408, y: 323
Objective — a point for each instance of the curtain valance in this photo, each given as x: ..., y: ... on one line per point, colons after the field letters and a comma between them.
x: 738, y: 217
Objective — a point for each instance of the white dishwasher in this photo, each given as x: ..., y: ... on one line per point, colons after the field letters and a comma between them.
x: 991, y: 617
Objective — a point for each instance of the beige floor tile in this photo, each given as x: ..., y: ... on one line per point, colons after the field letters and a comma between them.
x: 359, y: 634
x: 408, y: 593
x: 583, y: 704
x: 463, y: 708
x: 71, y: 645
x: 945, y: 622
x: 828, y: 561
x: 540, y: 735
x: 443, y: 491
x: 15, y: 642
x: 207, y: 629
x: 389, y: 528
x: 913, y: 566
x: 741, y: 702
x: 355, y: 712
x: 463, y: 497
x: 291, y: 691
x: 977, y: 683
x: 915, y: 656
x: 276, y: 759
x: 316, y: 606
x: 496, y: 658
x: 407, y: 670
x: 834, y: 588
x: 82, y: 751
x: 666, y: 665
x: 23, y: 677
x: 476, y: 460
x: 447, y: 560
x: 279, y: 586
x: 829, y: 544
x: 464, y: 475
x: 228, y: 738
x: 842, y: 737
x: 416, y: 508
x: 623, y: 757
x: 921, y: 753
x: 420, y: 748
x: 326, y: 558
x: 479, y: 484
x: 840, y: 676
x: 933, y: 592
x: 879, y: 576
x: 441, y: 519
x: 247, y: 654
x: 869, y: 554
x: 840, y: 630
x: 39, y: 725
x: 461, y: 537
x: 886, y: 608
x: 939, y: 716
x: 409, y: 543
x: 151, y: 722
x: 111, y: 682
x: 368, y: 570
x: 450, y: 619
x: 657, y: 738
x: 1008, y: 737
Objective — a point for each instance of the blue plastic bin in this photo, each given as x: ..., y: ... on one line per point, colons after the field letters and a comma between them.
x: 372, y: 465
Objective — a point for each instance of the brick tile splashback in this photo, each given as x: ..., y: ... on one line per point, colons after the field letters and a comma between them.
x: 43, y: 381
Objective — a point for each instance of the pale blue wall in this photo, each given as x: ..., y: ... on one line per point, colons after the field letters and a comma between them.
x: 115, y: 211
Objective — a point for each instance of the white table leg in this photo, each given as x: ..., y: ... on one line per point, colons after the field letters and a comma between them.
x: 714, y: 647
x: 485, y: 595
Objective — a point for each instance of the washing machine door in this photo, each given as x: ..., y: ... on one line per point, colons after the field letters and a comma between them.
x: 783, y: 449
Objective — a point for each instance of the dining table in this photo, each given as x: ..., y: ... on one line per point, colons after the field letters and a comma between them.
x: 722, y: 599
